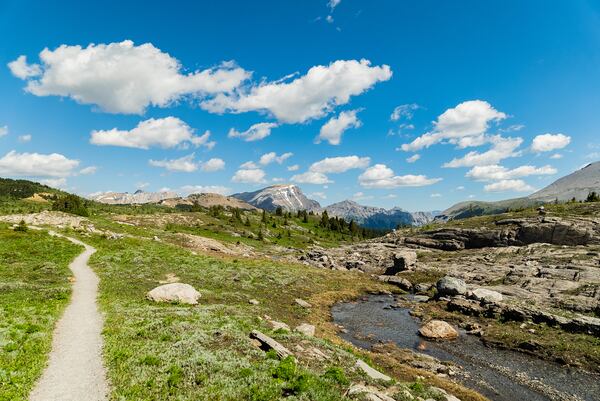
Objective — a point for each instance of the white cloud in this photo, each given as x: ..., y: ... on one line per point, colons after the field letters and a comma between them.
x: 548, y: 142
x: 142, y: 184
x: 198, y: 189
x: 3, y: 131
x: 435, y: 195
x: 167, y: 132
x: 404, y: 111
x: 255, y: 133
x: 20, y: 69
x: 469, y: 119
x: 509, y: 185
x: 294, y: 167
x: 185, y: 164
x: 498, y: 173
x: 121, y: 77
x: 271, y: 157
x: 339, y: 164
x: 36, y: 165
x: 333, y: 129
x: 329, y: 19
x: 214, y: 164
x: 460, y: 188
x: 24, y: 138
x: 502, y: 148
x: 88, y: 170
x: 413, y: 158
x: 311, y: 177
x: 556, y: 156
x: 381, y: 176
x: 249, y: 165
x: 249, y: 176
x: 358, y: 196
x: 55, y: 182
x: 307, y: 97
x: 389, y: 196
x: 278, y: 179
x: 321, y: 195
x: 332, y: 4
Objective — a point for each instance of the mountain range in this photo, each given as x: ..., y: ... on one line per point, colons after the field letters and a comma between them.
x: 576, y: 185
x: 290, y: 197
x: 138, y: 197
x: 377, y: 217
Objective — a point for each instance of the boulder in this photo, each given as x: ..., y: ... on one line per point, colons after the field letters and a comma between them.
x: 174, y: 292
x: 451, y: 286
x: 438, y: 330
x: 403, y: 260
x: 487, y: 296
x: 306, y: 329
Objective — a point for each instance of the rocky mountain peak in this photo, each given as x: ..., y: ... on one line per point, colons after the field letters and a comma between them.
x: 288, y: 196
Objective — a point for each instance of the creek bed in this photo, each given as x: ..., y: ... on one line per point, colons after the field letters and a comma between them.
x: 500, y: 375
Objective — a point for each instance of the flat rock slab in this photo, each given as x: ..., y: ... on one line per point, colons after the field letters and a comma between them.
x: 372, y: 373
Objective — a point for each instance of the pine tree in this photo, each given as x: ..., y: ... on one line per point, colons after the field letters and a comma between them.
x: 324, y: 219
x: 264, y: 217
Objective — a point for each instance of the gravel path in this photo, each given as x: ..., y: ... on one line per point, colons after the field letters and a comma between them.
x: 75, y: 371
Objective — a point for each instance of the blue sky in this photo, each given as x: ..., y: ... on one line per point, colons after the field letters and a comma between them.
x: 496, y: 98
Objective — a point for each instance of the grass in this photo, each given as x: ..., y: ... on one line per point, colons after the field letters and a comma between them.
x: 34, y: 289
x: 165, y: 351
x: 179, y: 352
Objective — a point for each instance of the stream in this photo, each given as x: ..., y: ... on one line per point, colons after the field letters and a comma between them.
x: 500, y: 375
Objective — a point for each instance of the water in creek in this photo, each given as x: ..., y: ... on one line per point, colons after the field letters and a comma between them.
x: 500, y: 375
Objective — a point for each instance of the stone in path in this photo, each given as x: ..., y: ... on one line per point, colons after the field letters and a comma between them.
x: 75, y: 371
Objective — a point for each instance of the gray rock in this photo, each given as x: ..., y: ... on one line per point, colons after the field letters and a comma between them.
x: 400, y: 282
x: 275, y: 325
x: 451, y: 286
x: 306, y: 329
x: 403, y: 260
x: 487, y: 296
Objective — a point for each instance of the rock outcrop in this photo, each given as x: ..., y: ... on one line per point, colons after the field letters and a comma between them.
x: 513, y: 232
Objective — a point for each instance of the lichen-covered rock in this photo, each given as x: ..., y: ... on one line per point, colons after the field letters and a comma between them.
x: 174, y: 292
